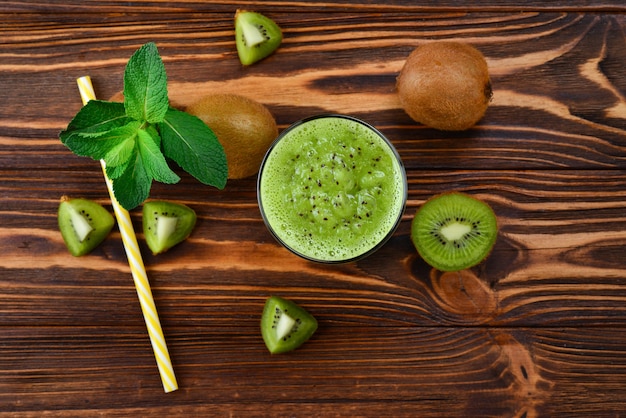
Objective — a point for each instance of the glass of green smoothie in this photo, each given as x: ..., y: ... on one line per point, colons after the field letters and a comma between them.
x: 332, y: 189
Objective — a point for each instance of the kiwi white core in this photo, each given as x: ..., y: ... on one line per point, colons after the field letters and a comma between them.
x: 82, y: 228
x: 166, y: 226
x: 455, y: 231
x: 284, y: 326
x: 252, y: 34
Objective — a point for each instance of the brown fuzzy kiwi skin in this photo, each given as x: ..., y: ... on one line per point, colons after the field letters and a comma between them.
x: 244, y: 127
x: 445, y: 85
x: 117, y: 97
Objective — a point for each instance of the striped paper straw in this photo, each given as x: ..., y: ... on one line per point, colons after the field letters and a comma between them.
x: 137, y: 269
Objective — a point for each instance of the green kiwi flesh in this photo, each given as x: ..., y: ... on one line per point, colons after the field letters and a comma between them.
x: 454, y: 231
x: 285, y: 325
x: 256, y: 36
x: 84, y: 224
x: 166, y: 224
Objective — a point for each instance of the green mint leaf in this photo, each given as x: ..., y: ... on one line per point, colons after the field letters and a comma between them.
x: 132, y: 187
x: 116, y: 171
x: 152, y: 158
x: 119, y: 144
x: 154, y: 133
x: 114, y: 146
x: 136, y: 137
x: 94, y: 119
x: 145, y: 85
x: 188, y: 141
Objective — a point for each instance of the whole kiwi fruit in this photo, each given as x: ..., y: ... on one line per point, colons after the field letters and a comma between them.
x: 243, y: 126
x: 445, y: 85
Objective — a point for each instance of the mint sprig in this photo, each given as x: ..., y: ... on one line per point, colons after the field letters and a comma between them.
x: 137, y: 138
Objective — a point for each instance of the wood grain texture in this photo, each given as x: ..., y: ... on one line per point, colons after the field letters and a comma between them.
x: 536, y: 330
x: 165, y: 6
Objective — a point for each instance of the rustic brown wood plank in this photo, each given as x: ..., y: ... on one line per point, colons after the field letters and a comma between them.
x: 407, y: 6
x: 576, y: 124
x: 550, y: 266
x: 404, y: 371
x: 536, y: 330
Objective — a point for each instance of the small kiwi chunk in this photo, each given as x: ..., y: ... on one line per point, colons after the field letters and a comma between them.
x: 256, y: 36
x: 84, y: 224
x: 454, y: 231
x: 285, y: 325
x: 243, y: 126
x: 166, y: 224
x: 445, y: 85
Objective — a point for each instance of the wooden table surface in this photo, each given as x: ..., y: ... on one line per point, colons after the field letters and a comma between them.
x: 539, y: 329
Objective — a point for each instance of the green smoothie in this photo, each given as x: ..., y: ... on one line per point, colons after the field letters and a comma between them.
x: 332, y: 189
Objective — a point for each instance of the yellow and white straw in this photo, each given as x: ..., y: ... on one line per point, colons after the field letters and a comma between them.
x: 137, y: 269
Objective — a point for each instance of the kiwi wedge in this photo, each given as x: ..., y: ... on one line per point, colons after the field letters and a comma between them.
x: 243, y: 126
x: 285, y: 325
x: 166, y: 224
x: 256, y: 36
x: 84, y: 224
x: 454, y: 231
x: 445, y: 85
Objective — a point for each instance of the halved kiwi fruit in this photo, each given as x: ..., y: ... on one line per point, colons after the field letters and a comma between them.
x: 454, y: 231
x: 243, y: 126
x: 256, y: 36
x: 166, y: 224
x: 285, y: 325
x: 445, y: 85
x: 84, y: 224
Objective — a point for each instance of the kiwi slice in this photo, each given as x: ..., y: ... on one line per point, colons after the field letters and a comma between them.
x: 285, y: 326
x: 256, y: 36
x: 166, y: 224
x: 454, y: 231
x: 84, y: 224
